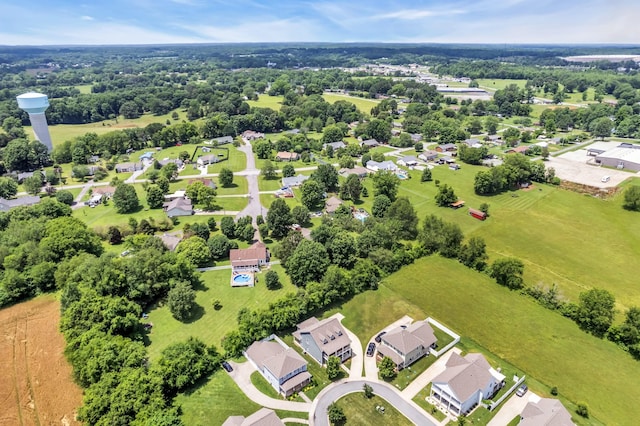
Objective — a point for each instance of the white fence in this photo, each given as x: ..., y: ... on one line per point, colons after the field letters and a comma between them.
x: 508, y: 393
x: 455, y: 336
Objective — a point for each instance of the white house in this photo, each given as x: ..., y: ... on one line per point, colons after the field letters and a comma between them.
x: 294, y: 181
x: 428, y: 155
x: 249, y: 259
x: 374, y: 166
x: 407, y: 345
x: 465, y: 383
x: 408, y: 161
x: 284, y: 369
x: 205, y: 160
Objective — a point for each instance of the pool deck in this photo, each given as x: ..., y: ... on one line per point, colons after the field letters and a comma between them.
x: 248, y: 283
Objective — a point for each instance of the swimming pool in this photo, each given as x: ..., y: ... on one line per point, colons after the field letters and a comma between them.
x: 242, y: 278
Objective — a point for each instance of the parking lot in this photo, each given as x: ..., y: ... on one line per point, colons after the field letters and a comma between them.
x: 572, y: 166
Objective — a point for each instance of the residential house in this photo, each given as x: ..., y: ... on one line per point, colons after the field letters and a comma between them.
x: 522, y: 149
x: 178, y: 162
x: 322, y: 339
x: 262, y: 417
x: 408, y: 161
x: 416, y: 137
x: 294, y: 131
x: 545, y: 412
x: 370, y: 143
x: 106, y: 191
x: 205, y: 160
x: 24, y: 175
x: 170, y: 241
x: 178, y: 207
x: 91, y: 170
x: 147, y: 156
x: 495, y: 139
x: 465, y: 382
x: 206, y: 182
x: 428, y: 155
x: 250, y: 135
x: 332, y: 204
x: 284, y: 369
x: 6, y: 205
x: 406, y: 345
x: 222, y: 140
x: 362, y: 172
x: 335, y: 145
x: 446, y: 147
x: 128, y: 167
x: 473, y: 143
x: 388, y: 165
x: 294, y: 181
x: 287, y: 156
x: 94, y: 200
x: 249, y: 259
x: 395, y: 132
x: 181, y: 193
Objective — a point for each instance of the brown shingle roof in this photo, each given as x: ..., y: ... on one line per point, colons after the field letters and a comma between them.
x: 546, y: 412
x: 408, y: 339
x: 256, y: 252
x: 101, y: 190
x: 279, y: 360
x: 332, y: 204
x: 262, y: 417
x: 465, y: 375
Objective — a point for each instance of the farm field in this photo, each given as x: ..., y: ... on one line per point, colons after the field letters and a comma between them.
x: 550, y: 348
x: 36, y: 387
x: 362, y: 104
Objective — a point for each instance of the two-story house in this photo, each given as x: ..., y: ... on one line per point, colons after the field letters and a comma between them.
x: 406, y: 345
x: 546, y: 411
x: 284, y: 369
x: 465, y: 383
x: 322, y: 339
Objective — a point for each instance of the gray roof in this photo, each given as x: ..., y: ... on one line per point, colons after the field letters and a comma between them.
x: 409, y: 159
x: 408, y: 339
x: 262, y: 417
x: 178, y: 203
x: 465, y: 376
x: 370, y: 142
x: 430, y: 154
x: 447, y: 146
x: 332, y: 204
x: 334, y: 145
x: 357, y: 170
x: 384, y: 165
x: 294, y: 180
x: 279, y: 360
x: 328, y: 334
x: 210, y: 158
x: 546, y: 412
x: 223, y: 140
x: 170, y: 241
x: 28, y: 200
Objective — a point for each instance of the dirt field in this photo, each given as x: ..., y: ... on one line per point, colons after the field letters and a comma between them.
x: 36, y: 387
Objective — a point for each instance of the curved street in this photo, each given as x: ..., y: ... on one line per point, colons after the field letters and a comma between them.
x: 409, y: 409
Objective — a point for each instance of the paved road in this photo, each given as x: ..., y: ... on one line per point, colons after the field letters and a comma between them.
x: 330, y: 394
x: 254, y: 208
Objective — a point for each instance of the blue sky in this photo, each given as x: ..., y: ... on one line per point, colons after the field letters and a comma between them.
x: 201, y: 21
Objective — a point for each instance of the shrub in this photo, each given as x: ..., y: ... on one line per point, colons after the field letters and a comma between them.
x: 583, y: 410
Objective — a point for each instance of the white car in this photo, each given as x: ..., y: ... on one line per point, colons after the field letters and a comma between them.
x: 605, y: 179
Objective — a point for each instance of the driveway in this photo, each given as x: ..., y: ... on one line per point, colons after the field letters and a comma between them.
x: 241, y: 374
x: 370, y: 367
x: 357, y: 355
x: 254, y: 208
x: 332, y: 393
x: 428, y: 375
x: 513, y: 407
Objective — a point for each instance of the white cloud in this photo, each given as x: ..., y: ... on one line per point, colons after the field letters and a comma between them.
x: 413, y: 14
x: 261, y: 30
x: 87, y: 18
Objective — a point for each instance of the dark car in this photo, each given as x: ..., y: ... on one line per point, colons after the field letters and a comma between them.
x: 379, y: 336
x: 227, y: 366
x: 371, y: 349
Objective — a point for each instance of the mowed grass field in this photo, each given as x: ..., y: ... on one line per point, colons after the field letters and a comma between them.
x: 544, y: 345
x: 362, y: 411
x: 266, y: 101
x: 362, y: 104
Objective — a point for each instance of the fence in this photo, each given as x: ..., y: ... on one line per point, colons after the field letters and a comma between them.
x: 494, y: 404
x: 455, y: 336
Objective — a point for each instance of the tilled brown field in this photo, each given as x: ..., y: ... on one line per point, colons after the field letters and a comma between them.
x: 36, y: 387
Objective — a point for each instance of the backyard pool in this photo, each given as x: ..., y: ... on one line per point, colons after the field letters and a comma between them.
x: 242, y: 280
x: 401, y: 176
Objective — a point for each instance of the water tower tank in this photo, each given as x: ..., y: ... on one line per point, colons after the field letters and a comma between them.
x: 35, y: 104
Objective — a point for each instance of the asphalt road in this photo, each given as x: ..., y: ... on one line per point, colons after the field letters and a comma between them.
x: 319, y: 416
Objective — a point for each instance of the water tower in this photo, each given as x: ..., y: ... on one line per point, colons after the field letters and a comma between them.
x: 35, y: 105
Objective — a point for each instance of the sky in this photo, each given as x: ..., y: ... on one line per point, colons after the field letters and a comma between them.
x: 55, y: 22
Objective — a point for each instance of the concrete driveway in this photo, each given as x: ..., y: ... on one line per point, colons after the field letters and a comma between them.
x: 241, y: 374
x: 332, y: 393
x: 370, y: 366
x: 357, y: 355
x: 513, y: 407
x: 428, y: 375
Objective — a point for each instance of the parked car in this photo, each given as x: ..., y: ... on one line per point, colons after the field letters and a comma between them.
x: 378, y: 338
x: 522, y: 390
x: 606, y: 179
x: 371, y: 349
x: 227, y: 366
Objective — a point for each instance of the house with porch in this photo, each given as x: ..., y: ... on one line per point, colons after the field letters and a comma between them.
x: 370, y: 143
x: 332, y: 204
x: 408, y: 161
x: 465, y: 382
x: 406, y: 345
x: 249, y: 259
x: 284, y: 369
x: 428, y: 155
x: 322, y: 339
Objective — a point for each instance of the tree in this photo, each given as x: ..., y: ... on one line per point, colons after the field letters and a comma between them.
x: 268, y: 170
x: 474, y: 254
x: 163, y: 183
x: 368, y: 391
x: 379, y: 130
x: 219, y: 246
x: 508, y: 272
x: 336, y: 415
x: 279, y: 218
x: 262, y: 149
x: 211, y: 223
x: 33, y: 184
x: 246, y: 233
x: 272, y: 280
x: 426, y: 175
x: 332, y: 133
x: 333, y: 367
x: 601, y: 127
x: 228, y: 227
x: 312, y: 194
x: 387, y: 369
x: 308, y: 262
x: 65, y: 197
x: 195, y: 250
x: 181, y: 300
x: 596, y: 311
x: 380, y: 206
x: 169, y: 171
x: 632, y: 198
x: 402, y: 219
x: 155, y: 197
x: 484, y: 208
x: 351, y: 188
x: 346, y: 162
x: 300, y: 215
x: 8, y: 187
x: 18, y: 156
x: 342, y: 250
x: 201, y: 230
x: 225, y: 177
x: 385, y: 183
x: 288, y: 170
x: 327, y: 176
x: 445, y: 196
x: 125, y: 198
x: 114, y: 236
x: 206, y: 197
x: 129, y: 109
x: 491, y: 124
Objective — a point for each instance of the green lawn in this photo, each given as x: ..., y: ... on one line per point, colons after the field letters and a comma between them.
x: 499, y: 83
x: 269, y: 184
x: 421, y: 400
x: 406, y: 375
x: 237, y: 162
x: 362, y: 411
x: 362, y: 104
x: 240, y: 186
x: 263, y: 386
x: 189, y: 170
x: 266, y: 101
x: 232, y: 203
x: 212, y: 325
x: 513, y: 330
